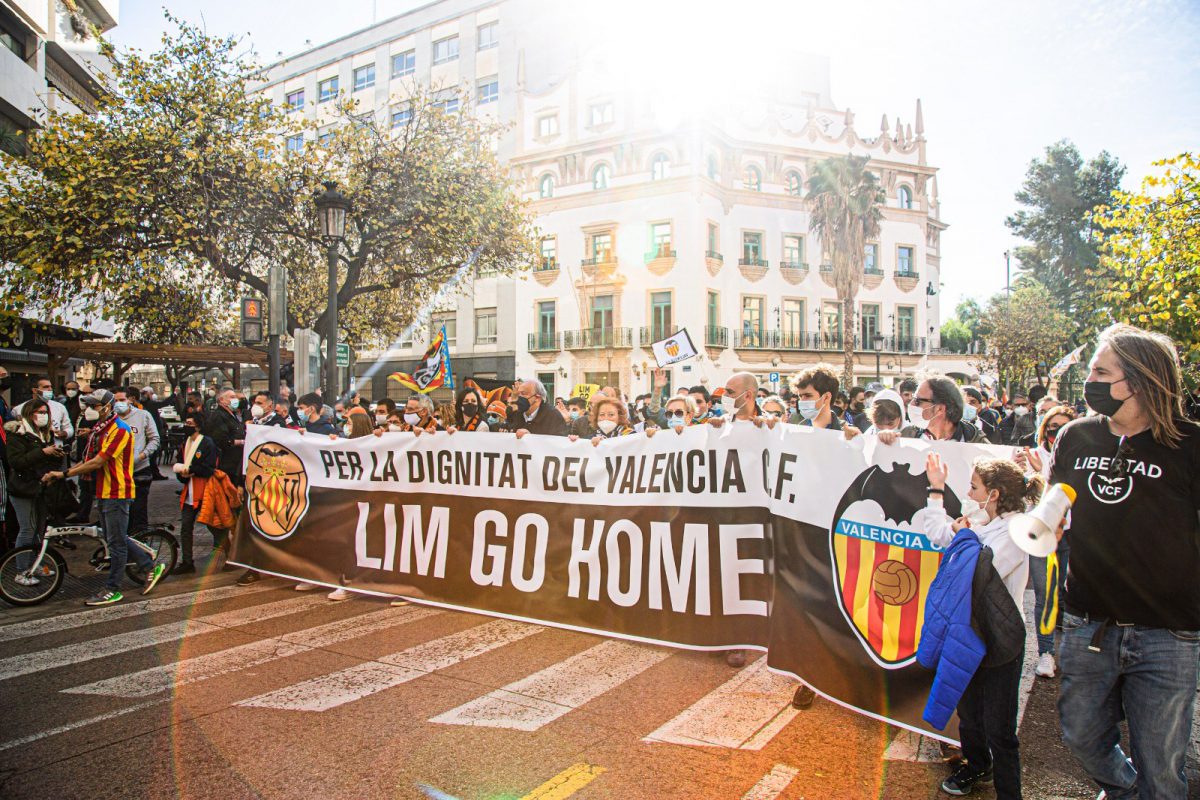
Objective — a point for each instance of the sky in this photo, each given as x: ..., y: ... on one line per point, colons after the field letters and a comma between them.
x: 998, y: 82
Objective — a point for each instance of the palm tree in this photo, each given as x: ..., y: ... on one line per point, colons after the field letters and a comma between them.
x: 844, y: 201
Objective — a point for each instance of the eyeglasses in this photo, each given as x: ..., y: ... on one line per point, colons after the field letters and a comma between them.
x: 922, y: 401
x: 1051, y: 432
x: 1118, y: 465
x: 679, y: 412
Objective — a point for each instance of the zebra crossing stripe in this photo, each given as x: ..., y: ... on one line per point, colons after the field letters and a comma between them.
x: 210, y: 665
x: 743, y: 713
x: 541, y: 698
x: 78, y: 619
x: 362, y: 680
x: 69, y: 654
x: 772, y: 784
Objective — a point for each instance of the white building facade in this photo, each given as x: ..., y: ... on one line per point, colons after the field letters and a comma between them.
x: 652, y: 219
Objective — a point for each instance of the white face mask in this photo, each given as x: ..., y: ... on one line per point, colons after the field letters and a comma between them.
x: 395, y: 428
x: 729, y: 406
x: 916, y: 416
x: 346, y: 430
x: 411, y: 418
x: 72, y: 392
x: 91, y: 414
x: 606, y: 426
x: 41, y: 420
x: 256, y: 411
x: 975, y: 513
x: 1020, y: 411
x: 381, y: 419
x: 808, y: 409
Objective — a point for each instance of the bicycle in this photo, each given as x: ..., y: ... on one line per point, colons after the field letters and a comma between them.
x: 46, y: 566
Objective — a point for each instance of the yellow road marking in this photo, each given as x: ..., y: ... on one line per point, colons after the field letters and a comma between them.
x: 566, y: 783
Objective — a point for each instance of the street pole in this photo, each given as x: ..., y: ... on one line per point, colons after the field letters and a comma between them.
x: 277, y: 317
x: 878, y: 376
x: 331, y: 328
x: 273, y: 366
x: 1007, y: 274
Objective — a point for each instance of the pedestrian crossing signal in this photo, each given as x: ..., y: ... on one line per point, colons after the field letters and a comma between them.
x: 252, y: 320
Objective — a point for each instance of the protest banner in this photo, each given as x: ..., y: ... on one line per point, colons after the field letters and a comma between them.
x: 790, y: 540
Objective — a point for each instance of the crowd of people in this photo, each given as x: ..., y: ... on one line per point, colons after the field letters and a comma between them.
x: 1128, y: 644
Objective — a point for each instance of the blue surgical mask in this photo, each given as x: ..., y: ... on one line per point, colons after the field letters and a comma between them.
x: 676, y: 422
x: 121, y: 407
x: 574, y: 414
x: 969, y: 413
x: 234, y: 403
x: 808, y: 409
x: 47, y: 395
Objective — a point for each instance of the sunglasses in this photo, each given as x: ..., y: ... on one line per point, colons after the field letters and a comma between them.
x: 679, y: 413
x: 1052, y: 431
x: 1118, y: 465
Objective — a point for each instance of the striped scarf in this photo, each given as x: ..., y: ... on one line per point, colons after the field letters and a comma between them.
x: 97, y: 436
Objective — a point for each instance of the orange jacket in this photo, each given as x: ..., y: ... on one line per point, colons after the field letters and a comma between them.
x: 221, y: 498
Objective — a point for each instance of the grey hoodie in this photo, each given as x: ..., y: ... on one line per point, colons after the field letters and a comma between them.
x: 145, y: 438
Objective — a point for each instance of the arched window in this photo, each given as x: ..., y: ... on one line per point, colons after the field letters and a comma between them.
x: 752, y: 179
x: 794, y: 183
x: 546, y: 187
x: 714, y: 173
x: 600, y: 177
x: 904, y: 195
x: 659, y: 167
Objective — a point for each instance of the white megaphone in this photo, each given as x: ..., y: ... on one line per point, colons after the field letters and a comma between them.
x: 1035, y: 532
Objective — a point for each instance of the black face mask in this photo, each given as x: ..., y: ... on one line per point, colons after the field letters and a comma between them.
x: 1099, y: 397
x: 523, y: 405
x: 470, y: 409
x: 858, y: 407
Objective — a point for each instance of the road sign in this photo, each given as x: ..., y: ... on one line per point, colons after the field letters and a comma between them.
x: 252, y: 320
x: 343, y: 354
x: 774, y: 377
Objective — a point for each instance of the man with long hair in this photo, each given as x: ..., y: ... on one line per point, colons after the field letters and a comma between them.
x: 1131, y: 622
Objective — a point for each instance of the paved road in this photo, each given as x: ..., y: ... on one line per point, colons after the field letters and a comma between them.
x: 211, y: 690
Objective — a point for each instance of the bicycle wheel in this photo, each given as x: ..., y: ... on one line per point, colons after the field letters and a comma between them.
x: 165, y: 551
x: 48, y: 577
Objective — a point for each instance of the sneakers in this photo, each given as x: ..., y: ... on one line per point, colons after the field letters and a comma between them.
x: 104, y: 598
x: 965, y: 779
x: 26, y: 580
x: 803, y: 698
x: 306, y: 587
x: 1045, y: 666
x: 185, y: 568
x: 338, y: 594
x: 154, y: 577
x: 248, y: 577
x: 399, y: 601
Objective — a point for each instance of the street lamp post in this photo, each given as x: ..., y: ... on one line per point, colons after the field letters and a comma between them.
x: 878, y: 340
x: 332, y: 206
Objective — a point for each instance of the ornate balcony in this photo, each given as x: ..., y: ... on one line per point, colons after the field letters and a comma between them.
x: 794, y: 272
x: 753, y: 268
x: 907, y: 280
x: 545, y: 342
x: 595, y: 338
x: 546, y: 271
x: 716, y: 337
x: 714, y: 261
x: 660, y: 260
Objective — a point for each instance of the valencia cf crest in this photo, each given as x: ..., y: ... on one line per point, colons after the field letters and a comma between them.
x: 276, y: 490
x: 882, y: 561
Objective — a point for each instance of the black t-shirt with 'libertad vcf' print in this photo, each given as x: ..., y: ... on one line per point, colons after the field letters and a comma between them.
x: 1135, y: 533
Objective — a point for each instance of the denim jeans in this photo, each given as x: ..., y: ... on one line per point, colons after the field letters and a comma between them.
x: 114, y: 516
x: 31, y: 516
x: 987, y: 725
x: 1144, y: 675
x: 1037, y: 573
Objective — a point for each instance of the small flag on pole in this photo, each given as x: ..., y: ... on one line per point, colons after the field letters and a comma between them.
x: 1066, y: 362
x: 676, y: 347
x: 434, y: 371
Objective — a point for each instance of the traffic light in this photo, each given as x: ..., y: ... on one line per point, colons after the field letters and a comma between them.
x: 252, y: 320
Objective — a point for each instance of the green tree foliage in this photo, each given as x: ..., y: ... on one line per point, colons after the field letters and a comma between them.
x: 1057, y: 198
x: 184, y: 168
x: 844, y: 200
x: 955, y: 335
x: 1022, y: 332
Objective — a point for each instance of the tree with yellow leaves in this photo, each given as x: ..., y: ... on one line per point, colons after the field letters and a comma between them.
x: 1152, y: 247
x: 1022, y: 332
x: 187, y: 173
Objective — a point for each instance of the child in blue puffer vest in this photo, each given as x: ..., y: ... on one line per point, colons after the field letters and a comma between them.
x: 974, y: 631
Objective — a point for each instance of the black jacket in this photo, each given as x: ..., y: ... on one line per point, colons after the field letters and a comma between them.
x: 27, y: 462
x: 548, y: 422
x: 204, y: 462
x: 994, y: 615
x: 225, y: 428
x: 966, y: 432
